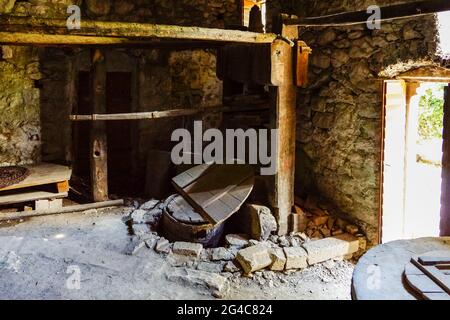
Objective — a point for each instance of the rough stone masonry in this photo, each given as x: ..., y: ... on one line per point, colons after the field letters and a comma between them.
x: 339, y: 114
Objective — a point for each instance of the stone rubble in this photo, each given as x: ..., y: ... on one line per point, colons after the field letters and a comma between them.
x: 187, y: 249
x: 260, y: 258
x: 296, y: 258
x: 237, y: 240
x: 254, y: 258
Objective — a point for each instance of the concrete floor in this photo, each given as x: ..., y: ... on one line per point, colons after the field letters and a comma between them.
x: 43, y: 258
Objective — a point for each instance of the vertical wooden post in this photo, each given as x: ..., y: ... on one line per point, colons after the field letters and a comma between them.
x: 99, y: 154
x: 284, y: 119
x: 445, y: 194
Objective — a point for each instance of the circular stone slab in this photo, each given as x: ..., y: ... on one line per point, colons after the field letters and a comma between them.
x: 182, y: 211
x: 379, y: 273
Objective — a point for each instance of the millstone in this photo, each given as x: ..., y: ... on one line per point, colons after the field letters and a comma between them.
x: 12, y: 175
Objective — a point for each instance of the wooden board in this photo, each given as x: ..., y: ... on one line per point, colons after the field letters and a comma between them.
x: 41, y: 174
x: 429, y: 281
x: 216, y: 191
x: 40, y: 31
x: 28, y: 196
x: 430, y: 260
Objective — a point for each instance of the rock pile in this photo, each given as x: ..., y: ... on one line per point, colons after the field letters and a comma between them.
x: 240, y: 253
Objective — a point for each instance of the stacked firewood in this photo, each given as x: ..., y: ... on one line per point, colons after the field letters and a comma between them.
x: 317, y: 222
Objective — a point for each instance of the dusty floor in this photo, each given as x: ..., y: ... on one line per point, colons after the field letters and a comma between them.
x: 43, y: 258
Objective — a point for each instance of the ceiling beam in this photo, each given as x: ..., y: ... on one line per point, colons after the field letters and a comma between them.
x: 394, y: 12
x: 41, y: 31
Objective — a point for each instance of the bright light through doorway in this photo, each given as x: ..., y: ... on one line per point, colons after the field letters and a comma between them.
x: 412, y: 160
x: 444, y: 32
x: 424, y: 162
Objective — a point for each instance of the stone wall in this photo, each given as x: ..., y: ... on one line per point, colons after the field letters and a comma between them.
x: 19, y: 106
x: 339, y: 114
x: 206, y: 13
x: 44, y: 80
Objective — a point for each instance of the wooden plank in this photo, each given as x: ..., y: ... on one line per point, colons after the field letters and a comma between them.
x: 216, y: 191
x: 430, y: 260
x: 144, y: 115
x: 435, y: 274
x: 186, y: 178
x: 31, y: 195
x: 63, y: 186
x: 302, y: 63
x: 284, y: 119
x: 69, y: 209
x: 40, y: 31
x: 158, y: 114
x: 445, y: 193
x: 438, y: 296
x: 98, y: 145
x: 392, y: 12
x: 41, y: 174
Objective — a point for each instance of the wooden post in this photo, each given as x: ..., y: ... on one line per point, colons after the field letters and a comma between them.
x: 445, y: 194
x: 99, y: 154
x: 284, y: 119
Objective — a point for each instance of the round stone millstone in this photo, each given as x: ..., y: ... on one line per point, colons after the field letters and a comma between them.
x: 12, y: 175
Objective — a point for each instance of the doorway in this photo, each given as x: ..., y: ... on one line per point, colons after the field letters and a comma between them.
x: 413, y: 159
x: 119, y: 133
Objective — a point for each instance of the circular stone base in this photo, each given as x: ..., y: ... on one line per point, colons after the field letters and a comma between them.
x: 379, y: 273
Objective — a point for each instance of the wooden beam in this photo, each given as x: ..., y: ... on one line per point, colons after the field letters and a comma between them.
x: 70, y: 209
x: 445, y: 193
x: 40, y: 31
x: 393, y: 12
x: 284, y: 119
x: 98, y: 145
x: 142, y: 115
x: 161, y: 114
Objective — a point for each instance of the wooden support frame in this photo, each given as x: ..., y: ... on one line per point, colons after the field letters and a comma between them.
x: 392, y: 12
x: 284, y: 119
x: 99, y: 145
x: 39, y: 31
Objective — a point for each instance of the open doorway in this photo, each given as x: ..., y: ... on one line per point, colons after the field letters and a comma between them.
x: 412, y: 168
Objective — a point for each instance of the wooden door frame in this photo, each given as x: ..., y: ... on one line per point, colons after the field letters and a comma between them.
x: 445, y: 198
